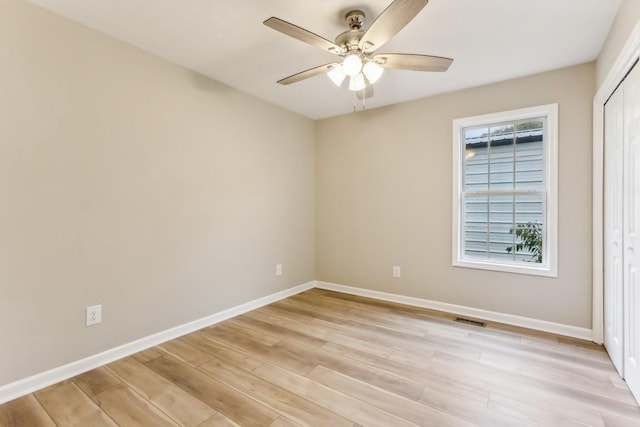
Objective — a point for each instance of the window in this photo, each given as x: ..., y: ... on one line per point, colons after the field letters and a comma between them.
x: 505, y: 191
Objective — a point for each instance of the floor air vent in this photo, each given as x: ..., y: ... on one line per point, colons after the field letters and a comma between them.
x: 470, y: 322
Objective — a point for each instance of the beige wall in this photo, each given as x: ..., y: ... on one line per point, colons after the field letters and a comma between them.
x: 165, y: 196
x: 134, y: 183
x: 628, y: 16
x: 383, y: 198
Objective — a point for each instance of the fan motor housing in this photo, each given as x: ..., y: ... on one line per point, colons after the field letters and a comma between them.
x: 350, y: 39
x: 355, y: 19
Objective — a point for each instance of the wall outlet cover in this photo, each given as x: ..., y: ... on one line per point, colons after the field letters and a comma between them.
x: 94, y: 315
x: 396, y: 271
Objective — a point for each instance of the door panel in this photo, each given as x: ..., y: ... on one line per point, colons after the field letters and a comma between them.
x: 613, y: 229
x: 631, y: 195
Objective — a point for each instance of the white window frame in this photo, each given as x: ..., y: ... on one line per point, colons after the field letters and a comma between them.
x: 549, y: 265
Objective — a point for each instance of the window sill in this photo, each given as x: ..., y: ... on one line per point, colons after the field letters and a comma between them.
x: 540, y: 270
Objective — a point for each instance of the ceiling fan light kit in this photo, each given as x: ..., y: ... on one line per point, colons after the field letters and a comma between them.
x: 372, y: 71
x: 352, y: 64
x: 357, y: 82
x: 337, y: 74
x: 357, y: 48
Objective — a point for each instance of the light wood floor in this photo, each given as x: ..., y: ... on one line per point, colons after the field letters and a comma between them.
x: 327, y: 359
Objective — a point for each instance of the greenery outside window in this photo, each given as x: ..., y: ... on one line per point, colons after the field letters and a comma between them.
x: 505, y: 191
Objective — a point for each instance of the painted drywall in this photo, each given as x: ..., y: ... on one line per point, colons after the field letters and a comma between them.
x: 384, y: 198
x: 627, y: 18
x: 133, y: 183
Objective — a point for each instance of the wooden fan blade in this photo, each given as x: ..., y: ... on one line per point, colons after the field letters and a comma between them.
x: 394, y: 18
x: 303, y: 35
x: 366, y: 93
x: 311, y: 72
x: 407, y: 61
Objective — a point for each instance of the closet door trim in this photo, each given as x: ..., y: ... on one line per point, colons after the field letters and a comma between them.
x: 625, y: 61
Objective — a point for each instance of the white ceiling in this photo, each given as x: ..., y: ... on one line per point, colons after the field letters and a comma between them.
x: 490, y: 40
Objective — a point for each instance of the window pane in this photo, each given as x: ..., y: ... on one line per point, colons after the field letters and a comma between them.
x: 529, y: 225
x: 496, y: 228
x: 476, y: 166
x: 500, y: 224
x: 529, y: 155
x: 475, y: 226
x: 501, y: 158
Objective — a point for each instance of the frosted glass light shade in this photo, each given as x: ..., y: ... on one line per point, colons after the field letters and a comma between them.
x: 372, y: 71
x: 352, y: 64
x: 337, y: 75
x: 357, y: 82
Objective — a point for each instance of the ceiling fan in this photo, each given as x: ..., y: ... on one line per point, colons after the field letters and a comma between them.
x: 357, y: 47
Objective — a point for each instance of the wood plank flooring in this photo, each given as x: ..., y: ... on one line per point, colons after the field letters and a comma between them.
x: 323, y: 358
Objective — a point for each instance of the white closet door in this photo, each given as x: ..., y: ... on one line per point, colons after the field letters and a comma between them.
x: 632, y: 231
x: 613, y: 250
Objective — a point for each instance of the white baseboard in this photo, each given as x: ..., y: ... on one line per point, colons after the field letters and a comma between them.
x: 44, y: 379
x: 509, y: 319
x: 36, y: 382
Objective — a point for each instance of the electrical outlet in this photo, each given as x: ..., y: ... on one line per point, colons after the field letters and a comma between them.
x: 278, y: 269
x: 94, y: 315
x: 396, y: 271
